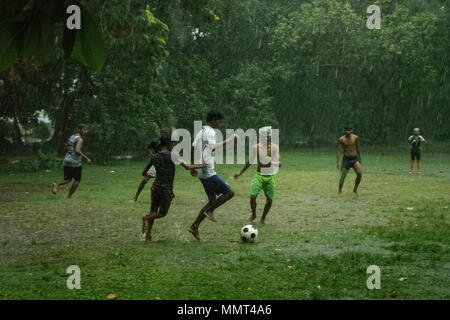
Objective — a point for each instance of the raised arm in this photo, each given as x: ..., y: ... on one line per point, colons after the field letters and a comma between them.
x: 219, y: 144
x: 78, y: 150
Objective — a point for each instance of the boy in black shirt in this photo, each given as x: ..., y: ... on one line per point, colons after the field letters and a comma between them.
x: 162, y: 188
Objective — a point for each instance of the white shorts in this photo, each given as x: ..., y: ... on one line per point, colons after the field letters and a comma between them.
x: 151, y: 171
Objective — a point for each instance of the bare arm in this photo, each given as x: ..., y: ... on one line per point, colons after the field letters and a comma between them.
x: 149, y: 165
x: 339, y: 151
x: 192, y: 166
x: 250, y: 160
x: 357, y: 149
x: 78, y: 150
x: 230, y: 138
x: 277, y: 161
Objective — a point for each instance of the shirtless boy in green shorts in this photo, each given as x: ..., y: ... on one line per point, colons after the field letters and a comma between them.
x: 264, y: 177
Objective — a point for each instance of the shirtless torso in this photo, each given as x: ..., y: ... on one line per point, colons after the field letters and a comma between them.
x: 349, y: 145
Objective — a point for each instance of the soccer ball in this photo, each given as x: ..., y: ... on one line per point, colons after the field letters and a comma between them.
x: 248, y: 233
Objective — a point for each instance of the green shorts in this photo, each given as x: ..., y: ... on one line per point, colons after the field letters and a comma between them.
x: 267, y: 183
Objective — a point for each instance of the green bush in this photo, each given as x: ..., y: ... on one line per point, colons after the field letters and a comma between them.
x: 33, y: 164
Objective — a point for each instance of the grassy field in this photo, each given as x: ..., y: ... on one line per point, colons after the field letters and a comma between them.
x: 315, y: 244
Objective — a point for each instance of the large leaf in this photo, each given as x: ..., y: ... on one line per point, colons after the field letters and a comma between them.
x: 88, y: 47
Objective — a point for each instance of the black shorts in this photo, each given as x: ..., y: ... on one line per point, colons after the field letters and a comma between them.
x: 72, y: 172
x: 349, y: 162
x: 161, y: 200
x: 415, y: 154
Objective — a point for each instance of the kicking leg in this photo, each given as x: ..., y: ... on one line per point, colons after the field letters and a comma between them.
x: 201, y: 216
x: 358, y: 170
x: 341, y: 181
x: 253, y: 207
x: 73, y: 188
x: 266, y: 209
x: 217, y: 203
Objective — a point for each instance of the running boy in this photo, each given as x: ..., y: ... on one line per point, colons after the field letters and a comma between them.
x: 72, y: 161
x: 213, y: 184
x: 162, y: 188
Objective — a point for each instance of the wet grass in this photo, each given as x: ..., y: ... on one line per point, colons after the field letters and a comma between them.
x: 316, y: 245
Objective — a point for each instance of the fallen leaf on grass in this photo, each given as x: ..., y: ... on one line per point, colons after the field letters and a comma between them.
x: 410, y: 208
x: 111, y: 296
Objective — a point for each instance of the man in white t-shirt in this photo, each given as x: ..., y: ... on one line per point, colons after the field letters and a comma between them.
x: 205, y: 141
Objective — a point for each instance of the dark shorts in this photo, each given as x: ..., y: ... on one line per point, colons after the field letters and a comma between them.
x: 161, y: 200
x: 415, y: 154
x: 214, y: 186
x: 349, y: 162
x: 72, y: 172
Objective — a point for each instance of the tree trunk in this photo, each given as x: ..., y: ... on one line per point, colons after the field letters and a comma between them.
x: 17, y: 134
x: 384, y: 121
x: 61, y: 124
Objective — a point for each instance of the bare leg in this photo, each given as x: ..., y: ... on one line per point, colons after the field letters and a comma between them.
x: 358, y: 170
x: 341, y: 181
x: 253, y: 207
x: 56, y: 185
x: 141, y: 187
x: 73, y: 188
x: 150, y: 220
x: 418, y: 167
x: 266, y: 209
x: 201, y: 216
x: 217, y: 203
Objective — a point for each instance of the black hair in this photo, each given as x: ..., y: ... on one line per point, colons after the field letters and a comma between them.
x: 165, y: 142
x: 153, y: 146
x: 81, y: 126
x: 213, y: 115
x: 165, y: 132
x: 348, y: 127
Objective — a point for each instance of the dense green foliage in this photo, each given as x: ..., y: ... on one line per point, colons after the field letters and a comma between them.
x: 307, y: 67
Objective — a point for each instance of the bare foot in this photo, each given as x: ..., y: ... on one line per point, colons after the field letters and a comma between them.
x: 252, y: 218
x: 340, y: 193
x: 210, y: 216
x: 356, y: 193
x: 54, y: 188
x: 144, y: 224
x: 194, y: 232
x: 148, y: 237
x: 263, y: 221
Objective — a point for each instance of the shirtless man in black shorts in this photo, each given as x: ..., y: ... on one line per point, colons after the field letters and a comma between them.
x: 349, y: 144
